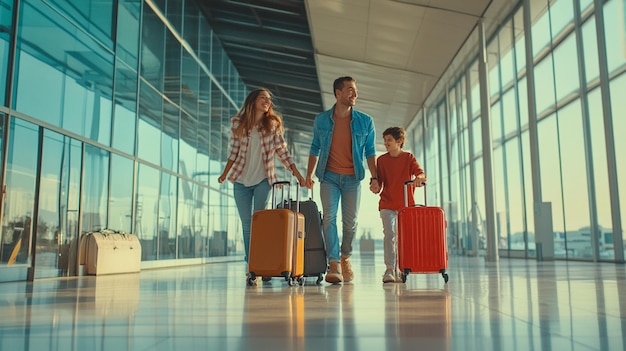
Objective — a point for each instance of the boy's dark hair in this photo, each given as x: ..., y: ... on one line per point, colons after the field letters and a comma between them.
x: 397, y: 133
x: 338, y: 84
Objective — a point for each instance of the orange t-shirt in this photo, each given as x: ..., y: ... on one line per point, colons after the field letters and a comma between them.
x: 392, y: 172
x: 340, y: 159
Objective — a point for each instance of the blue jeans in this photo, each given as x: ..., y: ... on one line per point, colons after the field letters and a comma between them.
x: 334, y: 188
x: 245, y: 198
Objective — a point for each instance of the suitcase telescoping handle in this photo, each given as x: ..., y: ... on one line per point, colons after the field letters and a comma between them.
x: 406, y: 193
x: 282, y: 200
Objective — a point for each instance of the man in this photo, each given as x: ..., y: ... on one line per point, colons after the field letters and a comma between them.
x: 342, y: 138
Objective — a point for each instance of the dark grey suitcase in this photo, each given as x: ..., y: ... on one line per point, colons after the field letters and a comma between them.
x: 315, y: 262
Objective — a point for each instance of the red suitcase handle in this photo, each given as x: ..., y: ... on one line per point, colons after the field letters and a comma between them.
x: 406, y: 193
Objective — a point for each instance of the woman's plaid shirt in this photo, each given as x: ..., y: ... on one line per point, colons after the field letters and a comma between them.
x: 273, y: 143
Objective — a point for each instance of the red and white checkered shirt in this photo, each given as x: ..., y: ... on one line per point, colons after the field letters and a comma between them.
x: 272, y: 142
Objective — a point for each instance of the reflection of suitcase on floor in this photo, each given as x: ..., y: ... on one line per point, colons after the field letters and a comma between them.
x: 433, y: 322
x: 315, y: 263
x: 422, y: 239
x: 286, y: 325
x: 108, y: 252
x: 277, y: 242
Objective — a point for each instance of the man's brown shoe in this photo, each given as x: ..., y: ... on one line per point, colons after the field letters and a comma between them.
x: 334, y: 275
x: 346, y: 268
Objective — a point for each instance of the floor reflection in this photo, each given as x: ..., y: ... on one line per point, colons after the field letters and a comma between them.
x: 510, y: 305
x: 417, y: 317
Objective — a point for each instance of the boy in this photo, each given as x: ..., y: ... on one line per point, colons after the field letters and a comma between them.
x: 393, y: 169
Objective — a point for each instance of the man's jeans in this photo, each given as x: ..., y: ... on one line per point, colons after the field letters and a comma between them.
x: 245, y: 198
x: 334, y: 188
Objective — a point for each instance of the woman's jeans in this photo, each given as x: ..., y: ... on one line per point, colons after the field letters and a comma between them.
x: 334, y: 188
x: 250, y: 199
x: 390, y: 230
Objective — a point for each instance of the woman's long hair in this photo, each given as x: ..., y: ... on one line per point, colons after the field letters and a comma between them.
x: 246, y: 116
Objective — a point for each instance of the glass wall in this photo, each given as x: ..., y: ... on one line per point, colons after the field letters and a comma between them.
x: 114, y: 123
x: 574, y: 110
x: 6, y: 12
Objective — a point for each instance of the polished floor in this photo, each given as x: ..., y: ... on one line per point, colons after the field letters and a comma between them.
x: 509, y: 305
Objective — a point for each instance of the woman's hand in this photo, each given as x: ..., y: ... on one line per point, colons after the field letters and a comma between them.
x: 309, y: 183
x: 298, y: 176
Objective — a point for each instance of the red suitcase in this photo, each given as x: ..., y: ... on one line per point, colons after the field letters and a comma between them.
x: 421, y: 239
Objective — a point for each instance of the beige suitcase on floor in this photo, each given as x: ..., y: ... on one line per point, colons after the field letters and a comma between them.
x: 109, y: 252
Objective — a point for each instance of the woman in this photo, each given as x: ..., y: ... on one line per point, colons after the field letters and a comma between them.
x: 256, y: 136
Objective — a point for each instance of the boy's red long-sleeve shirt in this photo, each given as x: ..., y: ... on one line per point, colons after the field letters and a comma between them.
x: 392, y: 172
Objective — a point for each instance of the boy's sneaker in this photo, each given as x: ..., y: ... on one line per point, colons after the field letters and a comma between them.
x: 399, y: 275
x: 389, y: 276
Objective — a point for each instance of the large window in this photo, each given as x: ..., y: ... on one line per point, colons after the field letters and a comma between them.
x: 146, y: 213
x: 615, y: 31
x: 618, y: 106
x: 574, y: 183
x: 127, y: 44
x: 134, y: 100
x: 91, y: 16
x: 592, y: 66
x: 566, y: 68
x: 6, y: 10
x: 59, y: 194
x: 95, y: 189
x: 19, y: 200
x: 121, y: 194
x: 600, y: 167
x: 125, y: 110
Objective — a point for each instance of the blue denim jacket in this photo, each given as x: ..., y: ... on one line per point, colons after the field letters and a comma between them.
x: 363, y: 136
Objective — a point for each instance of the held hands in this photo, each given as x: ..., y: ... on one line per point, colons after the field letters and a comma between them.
x: 296, y: 173
x: 221, y: 179
x: 300, y: 178
x: 308, y: 182
x: 374, y: 186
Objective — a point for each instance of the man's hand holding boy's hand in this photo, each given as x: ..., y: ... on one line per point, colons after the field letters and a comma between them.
x: 374, y: 187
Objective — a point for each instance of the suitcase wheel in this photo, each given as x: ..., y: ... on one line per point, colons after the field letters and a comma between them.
x: 287, y: 276
x: 444, y: 275
x: 300, y: 281
x: 319, y: 279
x: 405, y: 274
x: 251, y: 280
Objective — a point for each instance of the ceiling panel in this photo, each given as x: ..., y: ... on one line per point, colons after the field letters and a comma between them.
x: 269, y: 43
x: 474, y: 7
x: 397, y: 50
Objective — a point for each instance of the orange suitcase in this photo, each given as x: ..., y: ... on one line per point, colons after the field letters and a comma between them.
x: 421, y: 239
x: 277, y: 242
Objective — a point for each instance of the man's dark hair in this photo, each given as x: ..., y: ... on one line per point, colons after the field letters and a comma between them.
x: 338, y: 84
